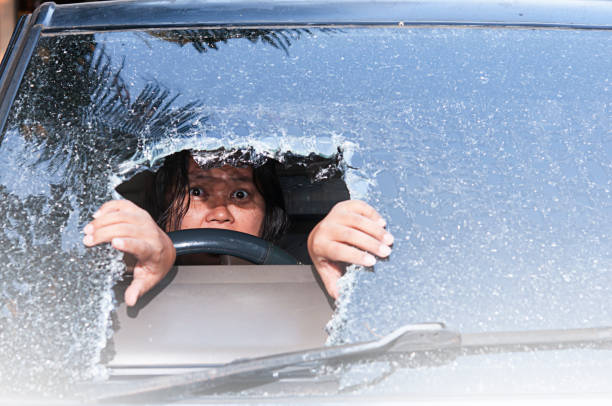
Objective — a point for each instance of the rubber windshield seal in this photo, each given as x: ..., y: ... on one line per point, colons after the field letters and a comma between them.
x: 15, y: 67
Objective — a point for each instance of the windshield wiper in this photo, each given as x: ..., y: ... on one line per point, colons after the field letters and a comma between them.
x: 412, y: 338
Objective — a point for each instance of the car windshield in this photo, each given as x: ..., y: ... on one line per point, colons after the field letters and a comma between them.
x: 488, y: 151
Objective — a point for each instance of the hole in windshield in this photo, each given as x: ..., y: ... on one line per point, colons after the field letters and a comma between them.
x: 310, y: 186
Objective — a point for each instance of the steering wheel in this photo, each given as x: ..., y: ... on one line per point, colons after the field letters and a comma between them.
x: 228, y: 242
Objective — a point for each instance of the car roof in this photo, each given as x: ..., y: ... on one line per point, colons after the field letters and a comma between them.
x: 165, y: 13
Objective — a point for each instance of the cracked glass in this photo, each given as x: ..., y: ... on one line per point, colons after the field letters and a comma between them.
x: 488, y: 151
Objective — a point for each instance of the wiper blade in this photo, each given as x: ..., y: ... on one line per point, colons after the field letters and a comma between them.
x: 412, y: 338
x: 529, y: 340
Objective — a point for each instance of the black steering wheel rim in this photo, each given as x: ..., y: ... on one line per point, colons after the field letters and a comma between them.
x: 228, y: 242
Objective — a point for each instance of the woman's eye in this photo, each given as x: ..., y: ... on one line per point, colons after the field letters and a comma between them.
x: 240, y: 194
x: 196, y: 191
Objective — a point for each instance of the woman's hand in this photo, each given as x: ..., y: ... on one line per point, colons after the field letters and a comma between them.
x: 353, y: 232
x: 131, y: 229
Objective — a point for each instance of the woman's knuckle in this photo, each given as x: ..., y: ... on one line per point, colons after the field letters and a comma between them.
x: 319, y: 247
x: 379, y: 233
x: 343, y: 207
x: 326, y: 228
x: 353, y: 236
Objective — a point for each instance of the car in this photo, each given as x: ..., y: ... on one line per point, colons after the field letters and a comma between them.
x: 481, y: 131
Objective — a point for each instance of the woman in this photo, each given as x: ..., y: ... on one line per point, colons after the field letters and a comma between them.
x: 238, y: 198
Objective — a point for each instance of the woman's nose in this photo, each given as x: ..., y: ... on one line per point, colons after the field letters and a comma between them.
x: 219, y: 212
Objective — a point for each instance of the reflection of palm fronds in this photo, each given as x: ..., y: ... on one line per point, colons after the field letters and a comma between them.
x: 81, y: 96
x: 82, y: 99
x: 205, y: 39
x: 152, y: 108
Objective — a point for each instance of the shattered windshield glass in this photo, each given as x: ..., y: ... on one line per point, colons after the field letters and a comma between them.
x: 488, y: 152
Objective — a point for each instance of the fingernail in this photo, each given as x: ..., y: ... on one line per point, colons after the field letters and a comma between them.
x: 384, y: 251
x: 95, y: 215
x: 88, y: 240
x: 369, y: 260
x: 382, y: 222
x: 117, y: 243
x: 132, y: 298
x: 388, y: 239
x: 88, y: 229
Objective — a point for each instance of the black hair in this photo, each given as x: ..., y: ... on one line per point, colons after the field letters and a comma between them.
x: 170, y: 191
x: 276, y: 219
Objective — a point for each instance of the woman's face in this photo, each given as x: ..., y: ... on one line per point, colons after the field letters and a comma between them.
x: 225, y: 198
